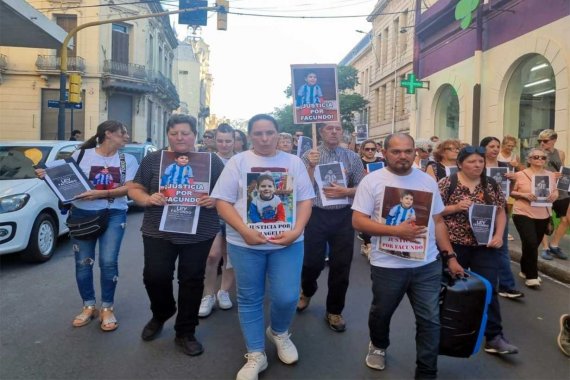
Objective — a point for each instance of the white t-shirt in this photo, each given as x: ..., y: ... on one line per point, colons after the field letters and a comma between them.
x: 369, y: 198
x: 104, y: 173
x: 231, y: 184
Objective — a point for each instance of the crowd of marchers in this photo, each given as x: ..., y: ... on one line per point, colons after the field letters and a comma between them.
x: 285, y: 266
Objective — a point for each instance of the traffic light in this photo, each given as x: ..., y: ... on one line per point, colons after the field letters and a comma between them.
x: 223, y: 6
x: 74, y: 88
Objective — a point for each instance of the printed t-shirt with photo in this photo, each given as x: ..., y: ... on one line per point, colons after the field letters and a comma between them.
x: 231, y: 185
x: 369, y: 198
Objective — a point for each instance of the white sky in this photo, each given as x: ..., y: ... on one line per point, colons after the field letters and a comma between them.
x: 250, y: 62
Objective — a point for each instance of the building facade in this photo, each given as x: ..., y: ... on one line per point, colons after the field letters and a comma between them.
x: 508, y: 73
x: 127, y: 68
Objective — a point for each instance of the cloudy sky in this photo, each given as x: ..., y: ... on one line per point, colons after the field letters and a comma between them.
x: 250, y: 62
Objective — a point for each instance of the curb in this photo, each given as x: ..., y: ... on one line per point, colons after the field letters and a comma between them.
x: 552, y: 268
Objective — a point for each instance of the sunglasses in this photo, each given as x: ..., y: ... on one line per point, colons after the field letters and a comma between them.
x: 543, y: 141
x: 208, y: 137
x: 369, y: 149
x: 474, y: 149
x: 543, y: 158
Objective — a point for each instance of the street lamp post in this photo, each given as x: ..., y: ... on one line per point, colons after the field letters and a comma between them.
x: 73, y: 32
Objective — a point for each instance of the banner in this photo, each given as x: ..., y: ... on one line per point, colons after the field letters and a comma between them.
x: 315, y: 94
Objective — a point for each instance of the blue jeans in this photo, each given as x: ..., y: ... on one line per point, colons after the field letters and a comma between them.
x: 506, y: 278
x: 422, y: 285
x: 109, y: 246
x: 282, y: 267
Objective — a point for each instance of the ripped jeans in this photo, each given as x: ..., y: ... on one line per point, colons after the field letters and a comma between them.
x: 109, y: 247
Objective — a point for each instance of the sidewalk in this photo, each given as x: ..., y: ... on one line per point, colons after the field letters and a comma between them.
x: 557, y: 269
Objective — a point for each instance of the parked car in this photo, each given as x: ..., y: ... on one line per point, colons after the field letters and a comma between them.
x: 30, y: 219
x: 138, y: 150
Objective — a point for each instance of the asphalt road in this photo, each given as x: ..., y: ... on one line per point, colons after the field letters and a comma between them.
x: 37, y: 341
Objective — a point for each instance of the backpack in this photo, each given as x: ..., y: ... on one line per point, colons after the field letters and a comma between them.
x: 453, y: 179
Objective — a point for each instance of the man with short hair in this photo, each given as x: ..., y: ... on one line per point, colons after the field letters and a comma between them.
x: 394, y: 276
x: 330, y: 225
x: 75, y: 135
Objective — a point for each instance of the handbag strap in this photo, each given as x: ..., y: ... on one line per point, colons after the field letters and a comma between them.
x: 123, y: 164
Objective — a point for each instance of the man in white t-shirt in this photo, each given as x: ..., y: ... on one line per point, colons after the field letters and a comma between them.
x: 394, y: 276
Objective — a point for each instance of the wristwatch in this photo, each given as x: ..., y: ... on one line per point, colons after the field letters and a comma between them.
x: 448, y: 255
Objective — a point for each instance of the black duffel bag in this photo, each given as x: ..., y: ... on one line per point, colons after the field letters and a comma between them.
x: 88, y: 227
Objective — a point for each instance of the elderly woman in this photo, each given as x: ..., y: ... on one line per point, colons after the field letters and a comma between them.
x: 507, y: 153
x: 424, y: 147
x: 110, y: 172
x: 285, y: 142
x: 445, y: 156
x: 531, y: 221
x: 473, y: 187
x: 257, y: 257
x: 556, y: 159
x: 162, y: 249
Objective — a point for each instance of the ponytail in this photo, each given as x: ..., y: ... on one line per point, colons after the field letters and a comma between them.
x: 90, y: 143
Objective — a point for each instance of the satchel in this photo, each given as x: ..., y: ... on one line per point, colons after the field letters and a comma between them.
x: 88, y: 227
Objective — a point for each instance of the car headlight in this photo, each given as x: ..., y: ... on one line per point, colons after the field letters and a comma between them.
x: 13, y: 202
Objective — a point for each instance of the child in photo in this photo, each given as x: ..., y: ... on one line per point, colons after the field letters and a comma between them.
x: 266, y: 207
x: 179, y: 172
x: 310, y: 92
x: 403, y: 211
x: 330, y: 178
x: 103, y: 180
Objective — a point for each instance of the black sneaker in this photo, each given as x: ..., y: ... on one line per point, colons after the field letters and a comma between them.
x: 189, y: 345
x: 152, y: 329
x: 511, y: 293
x: 499, y: 345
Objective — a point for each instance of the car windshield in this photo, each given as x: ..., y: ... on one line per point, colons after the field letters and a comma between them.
x: 17, y: 162
x: 137, y: 151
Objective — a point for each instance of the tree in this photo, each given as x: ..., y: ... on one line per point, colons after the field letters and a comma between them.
x: 350, y: 103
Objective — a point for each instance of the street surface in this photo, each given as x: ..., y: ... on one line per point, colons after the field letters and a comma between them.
x: 38, y: 302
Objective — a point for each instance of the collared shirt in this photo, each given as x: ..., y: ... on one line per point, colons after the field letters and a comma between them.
x: 354, y: 170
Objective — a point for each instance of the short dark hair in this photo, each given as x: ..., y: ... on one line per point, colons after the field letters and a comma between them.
x: 397, y: 134
x: 179, y: 118
x: 75, y: 132
x: 180, y: 154
x: 487, y: 140
x: 261, y: 116
x: 224, y: 128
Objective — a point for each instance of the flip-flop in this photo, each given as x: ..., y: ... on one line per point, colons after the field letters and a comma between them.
x: 107, y: 318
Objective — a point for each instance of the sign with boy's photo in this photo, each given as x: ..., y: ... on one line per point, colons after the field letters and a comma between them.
x: 361, y: 133
x: 270, y: 201
x: 184, y: 177
x: 305, y: 144
x: 410, y: 206
x: 498, y: 174
x: 315, y: 94
x: 327, y: 175
x: 373, y: 166
x: 540, y: 187
x: 482, y: 221
x: 564, y: 181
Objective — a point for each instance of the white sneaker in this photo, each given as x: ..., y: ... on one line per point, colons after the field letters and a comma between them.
x: 224, y: 301
x: 256, y: 363
x: 206, y: 306
x: 286, y: 350
x: 532, y: 283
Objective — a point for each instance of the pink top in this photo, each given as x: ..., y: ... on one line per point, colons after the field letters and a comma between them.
x: 522, y: 206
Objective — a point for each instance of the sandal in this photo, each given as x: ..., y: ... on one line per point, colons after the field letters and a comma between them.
x: 87, y: 314
x: 108, y: 320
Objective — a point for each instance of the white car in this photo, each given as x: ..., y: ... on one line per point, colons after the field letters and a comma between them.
x: 30, y: 218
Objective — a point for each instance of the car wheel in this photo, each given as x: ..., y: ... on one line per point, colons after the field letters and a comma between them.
x: 42, y: 239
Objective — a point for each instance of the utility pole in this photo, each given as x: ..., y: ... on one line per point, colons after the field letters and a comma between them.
x: 73, y: 32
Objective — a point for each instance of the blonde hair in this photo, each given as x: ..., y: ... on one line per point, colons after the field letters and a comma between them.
x: 548, y: 134
x: 508, y: 138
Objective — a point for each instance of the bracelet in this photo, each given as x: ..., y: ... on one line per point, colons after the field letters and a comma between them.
x: 448, y: 255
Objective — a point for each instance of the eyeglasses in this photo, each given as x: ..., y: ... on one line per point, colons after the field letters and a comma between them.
x: 429, y: 150
x: 369, y: 149
x: 208, y: 137
x: 474, y: 149
x: 544, y: 141
x: 452, y: 148
x: 543, y: 158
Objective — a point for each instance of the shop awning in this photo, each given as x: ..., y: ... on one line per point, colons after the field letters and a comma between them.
x: 21, y: 25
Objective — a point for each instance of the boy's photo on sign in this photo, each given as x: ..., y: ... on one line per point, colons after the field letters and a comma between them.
x: 314, y: 90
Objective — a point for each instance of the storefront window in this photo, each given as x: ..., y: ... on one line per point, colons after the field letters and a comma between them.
x: 447, y: 114
x: 530, y: 100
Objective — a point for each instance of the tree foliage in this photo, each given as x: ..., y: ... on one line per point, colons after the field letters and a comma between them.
x: 350, y: 103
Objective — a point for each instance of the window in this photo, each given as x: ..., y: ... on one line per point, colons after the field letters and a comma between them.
x: 385, y: 39
x: 530, y: 100
x: 382, y: 104
x: 396, y: 40
x: 67, y: 23
x: 447, y: 114
x: 120, y: 45
x: 150, y: 52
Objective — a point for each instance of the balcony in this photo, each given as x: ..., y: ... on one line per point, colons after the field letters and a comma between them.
x: 166, y: 90
x: 126, y: 77
x: 53, y: 63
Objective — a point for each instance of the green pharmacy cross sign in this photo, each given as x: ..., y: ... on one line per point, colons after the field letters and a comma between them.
x: 411, y: 83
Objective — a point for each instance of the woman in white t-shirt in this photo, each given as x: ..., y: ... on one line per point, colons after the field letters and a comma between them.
x: 256, y: 255
x: 101, y: 163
